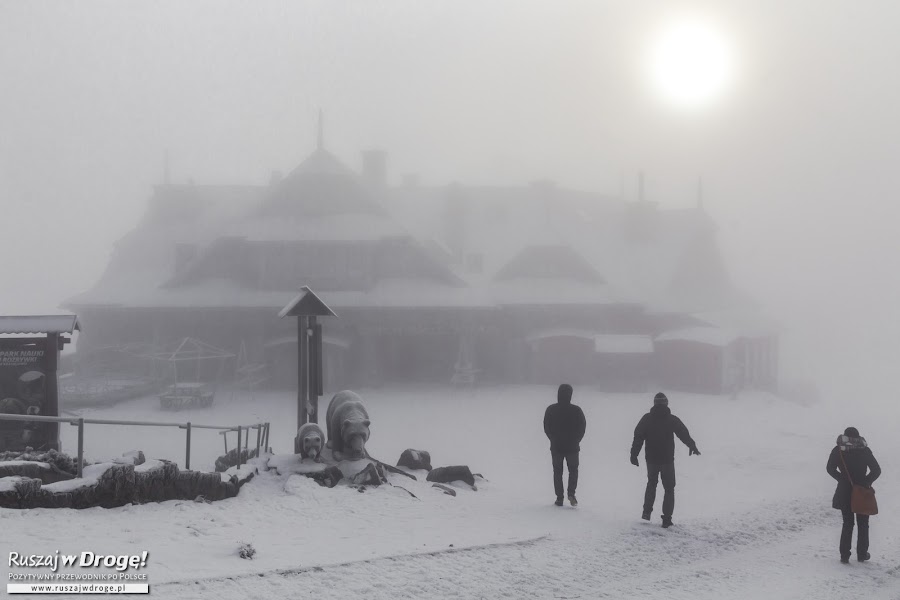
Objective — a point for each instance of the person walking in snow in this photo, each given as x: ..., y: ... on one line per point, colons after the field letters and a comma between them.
x: 851, y: 459
x: 564, y: 425
x: 657, y: 429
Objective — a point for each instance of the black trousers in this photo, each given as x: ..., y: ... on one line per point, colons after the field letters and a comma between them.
x: 862, y: 533
x: 571, y: 459
x: 654, y: 472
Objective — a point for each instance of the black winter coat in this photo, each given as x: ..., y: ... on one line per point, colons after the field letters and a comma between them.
x: 863, y: 467
x: 564, y: 424
x: 658, y: 429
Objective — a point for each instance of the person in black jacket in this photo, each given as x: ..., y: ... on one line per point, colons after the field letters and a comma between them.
x: 564, y: 424
x: 851, y: 459
x: 657, y: 429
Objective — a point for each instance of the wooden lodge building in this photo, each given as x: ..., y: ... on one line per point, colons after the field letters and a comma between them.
x: 525, y: 284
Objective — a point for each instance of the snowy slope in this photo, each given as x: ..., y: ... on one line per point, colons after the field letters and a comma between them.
x: 753, y: 516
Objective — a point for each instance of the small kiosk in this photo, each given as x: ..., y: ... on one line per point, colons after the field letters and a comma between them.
x: 29, y: 359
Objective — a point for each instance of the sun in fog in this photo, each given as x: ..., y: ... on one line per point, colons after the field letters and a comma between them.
x: 691, y: 63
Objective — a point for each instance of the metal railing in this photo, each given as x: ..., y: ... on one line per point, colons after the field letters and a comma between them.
x: 262, y: 432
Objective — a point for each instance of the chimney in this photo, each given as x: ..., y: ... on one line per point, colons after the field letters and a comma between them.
x: 375, y: 167
x: 641, y: 217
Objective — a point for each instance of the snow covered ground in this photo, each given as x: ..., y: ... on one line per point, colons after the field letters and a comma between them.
x: 753, y: 513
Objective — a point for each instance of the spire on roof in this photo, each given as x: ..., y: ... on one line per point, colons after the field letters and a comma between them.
x: 320, y: 144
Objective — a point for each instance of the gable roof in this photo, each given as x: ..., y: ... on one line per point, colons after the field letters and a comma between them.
x: 549, y: 262
x: 534, y: 244
x: 306, y: 303
x: 320, y: 185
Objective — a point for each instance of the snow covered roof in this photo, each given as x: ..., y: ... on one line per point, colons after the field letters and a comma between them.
x: 32, y: 324
x: 551, y: 261
x: 747, y: 323
x: 555, y: 332
x: 712, y: 336
x: 221, y: 293
x: 306, y: 303
x: 320, y: 228
x: 623, y: 344
x: 585, y: 243
x: 542, y: 292
x: 320, y: 185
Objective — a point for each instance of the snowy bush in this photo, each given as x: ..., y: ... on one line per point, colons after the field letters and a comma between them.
x: 61, y: 461
x: 246, y: 550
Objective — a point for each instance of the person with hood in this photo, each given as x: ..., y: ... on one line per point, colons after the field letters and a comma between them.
x: 657, y: 429
x: 564, y: 424
x: 851, y: 459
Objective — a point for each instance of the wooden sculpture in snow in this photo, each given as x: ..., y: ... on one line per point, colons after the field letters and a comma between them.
x: 348, y: 426
x: 310, y: 442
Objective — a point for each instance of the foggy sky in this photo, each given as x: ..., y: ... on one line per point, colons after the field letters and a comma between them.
x: 798, y: 158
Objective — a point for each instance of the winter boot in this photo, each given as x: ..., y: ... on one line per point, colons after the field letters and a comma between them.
x: 559, y: 501
x: 845, y: 560
x: 667, y: 522
x: 863, y: 557
x: 645, y: 515
x: 572, y: 500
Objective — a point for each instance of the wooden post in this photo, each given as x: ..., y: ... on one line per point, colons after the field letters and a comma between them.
x: 50, y: 405
x: 320, y: 361
x: 80, y: 446
x: 225, y: 439
x: 302, y: 386
x: 312, y: 369
x: 187, y: 449
x: 239, y: 448
x: 258, y: 438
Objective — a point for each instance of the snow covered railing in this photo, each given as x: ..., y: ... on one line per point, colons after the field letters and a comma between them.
x: 262, y: 438
x: 262, y: 432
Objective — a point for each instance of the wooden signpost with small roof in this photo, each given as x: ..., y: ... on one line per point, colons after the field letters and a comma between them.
x: 307, y: 307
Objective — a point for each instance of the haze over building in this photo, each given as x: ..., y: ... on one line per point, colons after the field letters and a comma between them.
x: 528, y: 283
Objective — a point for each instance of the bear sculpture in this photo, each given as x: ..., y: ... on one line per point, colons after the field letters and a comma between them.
x: 310, y: 442
x: 348, y: 426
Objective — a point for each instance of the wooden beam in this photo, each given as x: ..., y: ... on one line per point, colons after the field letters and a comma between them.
x: 50, y: 405
x: 302, y: 388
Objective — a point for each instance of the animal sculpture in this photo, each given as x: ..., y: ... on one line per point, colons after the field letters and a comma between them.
x: 348, y: 426
x: 310, y: 441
